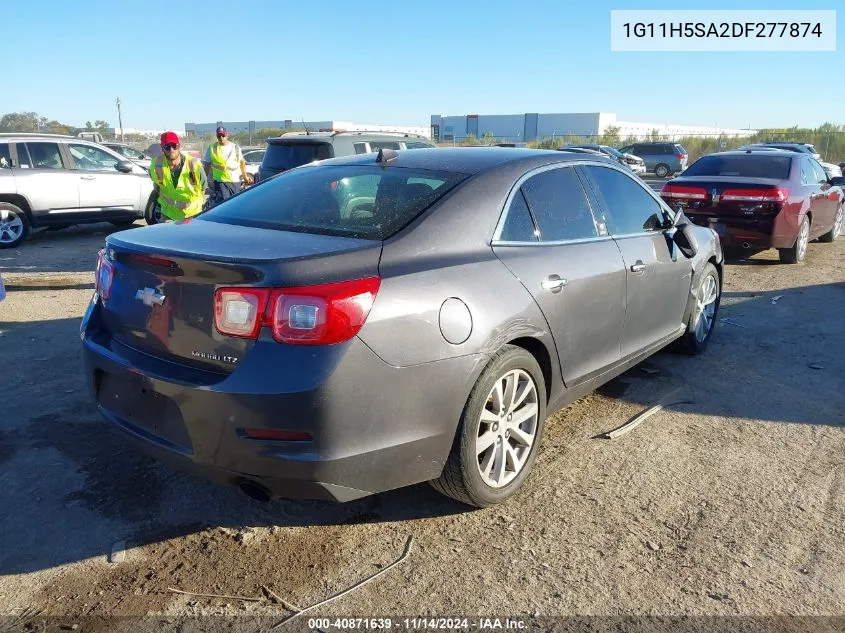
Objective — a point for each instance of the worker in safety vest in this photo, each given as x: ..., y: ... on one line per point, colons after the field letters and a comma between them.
x: 226, y: 164
x: 179, y: 179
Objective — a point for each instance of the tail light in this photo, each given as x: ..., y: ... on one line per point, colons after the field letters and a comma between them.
x: 104, y: 276
x: 750, y: 194
x: 683, y: 192
x: 310, y: 315
x: 681, y: 156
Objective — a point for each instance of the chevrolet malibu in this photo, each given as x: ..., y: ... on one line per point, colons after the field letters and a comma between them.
x: 375, y: 321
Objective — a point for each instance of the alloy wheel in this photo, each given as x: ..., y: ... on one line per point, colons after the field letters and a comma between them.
x: 803, y: 239
x: 11, y: 227
x: 705, y: 307
x: 507, y: 428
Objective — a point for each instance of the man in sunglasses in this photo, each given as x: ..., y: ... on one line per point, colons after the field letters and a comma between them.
x: 227, y: 166
x: 179, y: 179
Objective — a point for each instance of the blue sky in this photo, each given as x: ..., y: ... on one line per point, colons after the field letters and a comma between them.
x: 392, y: 63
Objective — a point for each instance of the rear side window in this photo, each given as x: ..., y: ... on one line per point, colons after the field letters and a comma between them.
x: 755, y: 165
x: 559, y: 205
x: 42, y: 156
x: 5, y: 156
x: 519, y: 227
x: 418, y: 146
x: 284, y: 156
x: 820, y: 175
x: 360, y: 201
x: 628, y: 207
x: 808, y: 176
x: 377, y: 145
x: 360, y: 148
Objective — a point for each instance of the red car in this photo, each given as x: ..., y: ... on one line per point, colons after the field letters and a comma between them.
x: 761, y: 199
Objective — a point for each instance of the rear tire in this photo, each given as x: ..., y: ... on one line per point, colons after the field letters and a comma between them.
x: 703, y: 308
x: 14, y: 225
x: 152, y: 213
x: 505, y: 416
x: 836, y: 229
x: 662, y: 170
x: 798, y: 251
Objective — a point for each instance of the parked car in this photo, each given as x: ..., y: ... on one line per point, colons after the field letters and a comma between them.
x: 761, y: 199
x: 832, y: 171
x: 634, y: 163
x: 662, y: 159
x: 56, y: 181
x: 292, y: 150
x: 281, y: 341
x: 253, y: 157
x: 127, y: 151
x: 580, y: 150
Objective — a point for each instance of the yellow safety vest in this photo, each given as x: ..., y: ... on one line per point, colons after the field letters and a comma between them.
x: 220, y: 169
x: 186, y: 197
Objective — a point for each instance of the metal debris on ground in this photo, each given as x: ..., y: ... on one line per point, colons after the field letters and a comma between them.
x: 815, y: 366
x: 641, y: 417
x: 727, y: 321
x: 776, y: 299
x: 214, y: 595
x: 345, y: 592
x: 649, y: 370
x: 118, y: 552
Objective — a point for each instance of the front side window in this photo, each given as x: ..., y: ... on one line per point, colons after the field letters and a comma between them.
x: 42, y: 156
x: 628, y: 207
x: 559, y: 205
x: 91, y: 158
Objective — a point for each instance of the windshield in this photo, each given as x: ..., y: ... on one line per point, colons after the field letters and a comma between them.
x: 611, y: 150
x: 366, y: 202
x: 745, y: 166
x: 284, y: 156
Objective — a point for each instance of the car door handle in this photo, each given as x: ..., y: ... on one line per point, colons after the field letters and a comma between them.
x: 88, y: 177
x: 554, y: 283
x: 638, y: 267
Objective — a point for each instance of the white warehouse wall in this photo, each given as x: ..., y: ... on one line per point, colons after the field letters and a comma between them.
x: 507, y: 125
x: 575, y: 123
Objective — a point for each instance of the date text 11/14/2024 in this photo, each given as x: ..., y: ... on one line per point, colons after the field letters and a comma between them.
x: 723, y: 29
x: 418, y: 624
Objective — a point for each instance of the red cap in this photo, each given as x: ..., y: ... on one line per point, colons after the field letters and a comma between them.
x: 169, y: 137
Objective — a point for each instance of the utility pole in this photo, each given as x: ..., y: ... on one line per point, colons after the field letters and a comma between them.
x: 119, y: 118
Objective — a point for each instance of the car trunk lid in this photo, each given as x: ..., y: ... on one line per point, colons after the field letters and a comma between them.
x: 161, y: 300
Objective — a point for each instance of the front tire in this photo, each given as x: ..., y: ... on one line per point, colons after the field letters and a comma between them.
x: 703, y: 308
x: 499, y: 433
x: 14, y: 225
x: 798, y: 251
x: 836, y: 229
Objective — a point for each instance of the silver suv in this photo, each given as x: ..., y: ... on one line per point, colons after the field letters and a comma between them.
x: 292, y: 150
x: 56, y: 181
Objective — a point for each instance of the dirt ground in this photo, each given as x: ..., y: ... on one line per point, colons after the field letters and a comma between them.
x: 730, y: 504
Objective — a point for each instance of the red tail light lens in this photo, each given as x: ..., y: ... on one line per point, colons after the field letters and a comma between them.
x: 324, y: 314
x: 681, y: 156
x: 104, y: 276
x: 682, y: 192
x: 755, y: 195
x: 238, y: 311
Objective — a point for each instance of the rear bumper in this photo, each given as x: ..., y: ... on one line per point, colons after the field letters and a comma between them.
x: 778, y: 231
x: 374, y: 427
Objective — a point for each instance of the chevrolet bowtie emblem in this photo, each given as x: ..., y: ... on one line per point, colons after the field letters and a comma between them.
x: 150, y: 296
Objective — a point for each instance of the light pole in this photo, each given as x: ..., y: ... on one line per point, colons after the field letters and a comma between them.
x: 119, y: 118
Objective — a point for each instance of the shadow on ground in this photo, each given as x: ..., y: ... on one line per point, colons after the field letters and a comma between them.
x: 70, y: 485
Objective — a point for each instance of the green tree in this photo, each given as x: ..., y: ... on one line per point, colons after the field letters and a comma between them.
x: 101, y: 126
x: 88, y: 125
x: 610, y: 136
x: 21, y: 122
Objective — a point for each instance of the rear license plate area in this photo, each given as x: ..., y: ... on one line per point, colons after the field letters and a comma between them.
x: 136, y: 403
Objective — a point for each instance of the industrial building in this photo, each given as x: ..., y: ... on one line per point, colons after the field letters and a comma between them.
x: 201, y: 129
x: 534, y: 126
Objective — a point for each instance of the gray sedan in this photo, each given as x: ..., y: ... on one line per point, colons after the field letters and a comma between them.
x: 371, y: 322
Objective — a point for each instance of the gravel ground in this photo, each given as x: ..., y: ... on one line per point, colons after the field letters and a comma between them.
x: 730, y: 504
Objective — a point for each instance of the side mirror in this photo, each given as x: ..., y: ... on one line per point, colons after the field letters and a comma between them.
x: 838, y: 181
x: 684, y: 238
x: 124, y: 166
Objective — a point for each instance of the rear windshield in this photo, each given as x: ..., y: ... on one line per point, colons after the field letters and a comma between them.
x: 744, y: 166
x: 680, y: 149
x: 284, y: 156
x: 361, y: 201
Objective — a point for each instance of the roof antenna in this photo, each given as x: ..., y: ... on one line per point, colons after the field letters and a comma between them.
x: 386, y: 154
x: 307, y: 133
